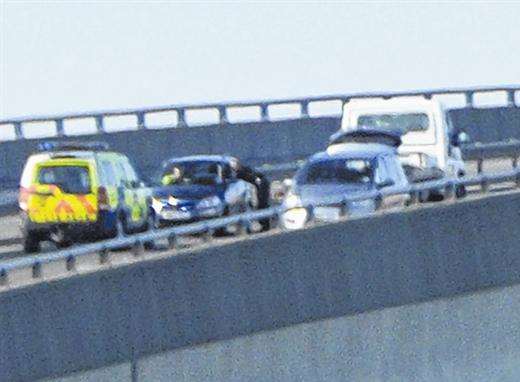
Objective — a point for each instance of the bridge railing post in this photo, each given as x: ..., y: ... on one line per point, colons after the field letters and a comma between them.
x: 222, y: 115
x: 304, y: 109
x: 18, y: 131
x: 100, y: 125
x: 141, y: 122
x: 469, y: 97
x: 60, y: 131
x: 264, y: 112
x: 181, y: 118
x: 511, y: 98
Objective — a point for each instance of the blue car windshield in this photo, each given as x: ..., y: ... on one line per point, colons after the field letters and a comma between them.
x: 342, y: 171
x: 192, y: 173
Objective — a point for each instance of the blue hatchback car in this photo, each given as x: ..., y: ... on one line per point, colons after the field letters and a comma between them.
x: 201, y: 187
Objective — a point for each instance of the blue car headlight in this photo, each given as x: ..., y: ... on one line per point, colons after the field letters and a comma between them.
x: 158, y: 203
x: 209, y: 202
x: 292, y: 200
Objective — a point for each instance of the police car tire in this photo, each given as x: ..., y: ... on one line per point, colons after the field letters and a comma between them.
x: 31, y: 244
x: 150, y: 225
x: 152, y: 222
x: 120, y: 226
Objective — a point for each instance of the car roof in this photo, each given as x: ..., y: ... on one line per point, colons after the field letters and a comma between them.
x: 80, y: 154
x: 353, y: 150
x: 202, y: 158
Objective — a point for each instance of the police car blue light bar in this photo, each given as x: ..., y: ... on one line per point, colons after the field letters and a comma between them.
x: 56, y: 146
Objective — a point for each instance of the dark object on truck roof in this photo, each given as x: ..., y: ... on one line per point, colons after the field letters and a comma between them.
x: 385, y: 137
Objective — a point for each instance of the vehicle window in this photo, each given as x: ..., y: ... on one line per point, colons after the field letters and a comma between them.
x: 382, y: 171
x: 449, y: 124
x: 393, y: 169
x: 356, y: 171
x: 121, y: 174
x: 109, y: 175
x: 28, y: 171
x: 187, y: 173
x: 228, y: 172
x: 70, y: 179
x: 451, y: 133
x: 131, y: 175
x: 395, y: 122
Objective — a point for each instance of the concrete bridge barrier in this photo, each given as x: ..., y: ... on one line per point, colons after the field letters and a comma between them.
x: 123, y: 314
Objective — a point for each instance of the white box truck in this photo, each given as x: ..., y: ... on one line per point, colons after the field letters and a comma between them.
x: 430, y: 146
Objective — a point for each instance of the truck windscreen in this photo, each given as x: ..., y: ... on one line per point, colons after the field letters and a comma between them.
x: 395, y: 122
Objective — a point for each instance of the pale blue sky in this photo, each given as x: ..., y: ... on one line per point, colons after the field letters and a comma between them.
x: 75, y: 56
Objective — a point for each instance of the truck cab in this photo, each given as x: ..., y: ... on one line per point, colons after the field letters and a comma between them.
x: 429, y: 140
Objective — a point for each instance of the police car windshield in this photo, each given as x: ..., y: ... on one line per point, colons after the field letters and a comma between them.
x: 192, y: 173
x: 342, y: 171
x: 70, y: 179
x: 405, y: 122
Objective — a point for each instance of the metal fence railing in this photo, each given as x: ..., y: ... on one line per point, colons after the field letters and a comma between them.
x: 140, y: 114
x: 481, y: 152
x: 243, y: 221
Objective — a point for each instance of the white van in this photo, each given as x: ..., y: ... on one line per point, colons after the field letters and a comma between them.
x: 429, y: 139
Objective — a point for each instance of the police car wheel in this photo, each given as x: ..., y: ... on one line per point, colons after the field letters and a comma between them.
x: 120, y: 227
x: 31, y: 244
x: 65, y: 243
x: 151, y: 224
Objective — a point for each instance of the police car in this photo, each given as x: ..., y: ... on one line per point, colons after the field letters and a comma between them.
x: 73, y: 192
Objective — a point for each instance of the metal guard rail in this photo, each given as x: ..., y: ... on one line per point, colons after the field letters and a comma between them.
x: 222, y: 108
x: 478, y: 152
x: 136, y: 242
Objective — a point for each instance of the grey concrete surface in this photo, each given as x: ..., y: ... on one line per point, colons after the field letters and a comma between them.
x: 274, y: 281
x: 116, y: 373
x: 467, y: 338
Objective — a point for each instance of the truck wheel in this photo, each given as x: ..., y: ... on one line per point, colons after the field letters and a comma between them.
x: 266, y: 224
x: 31, y: 243
x: 460, y: 191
